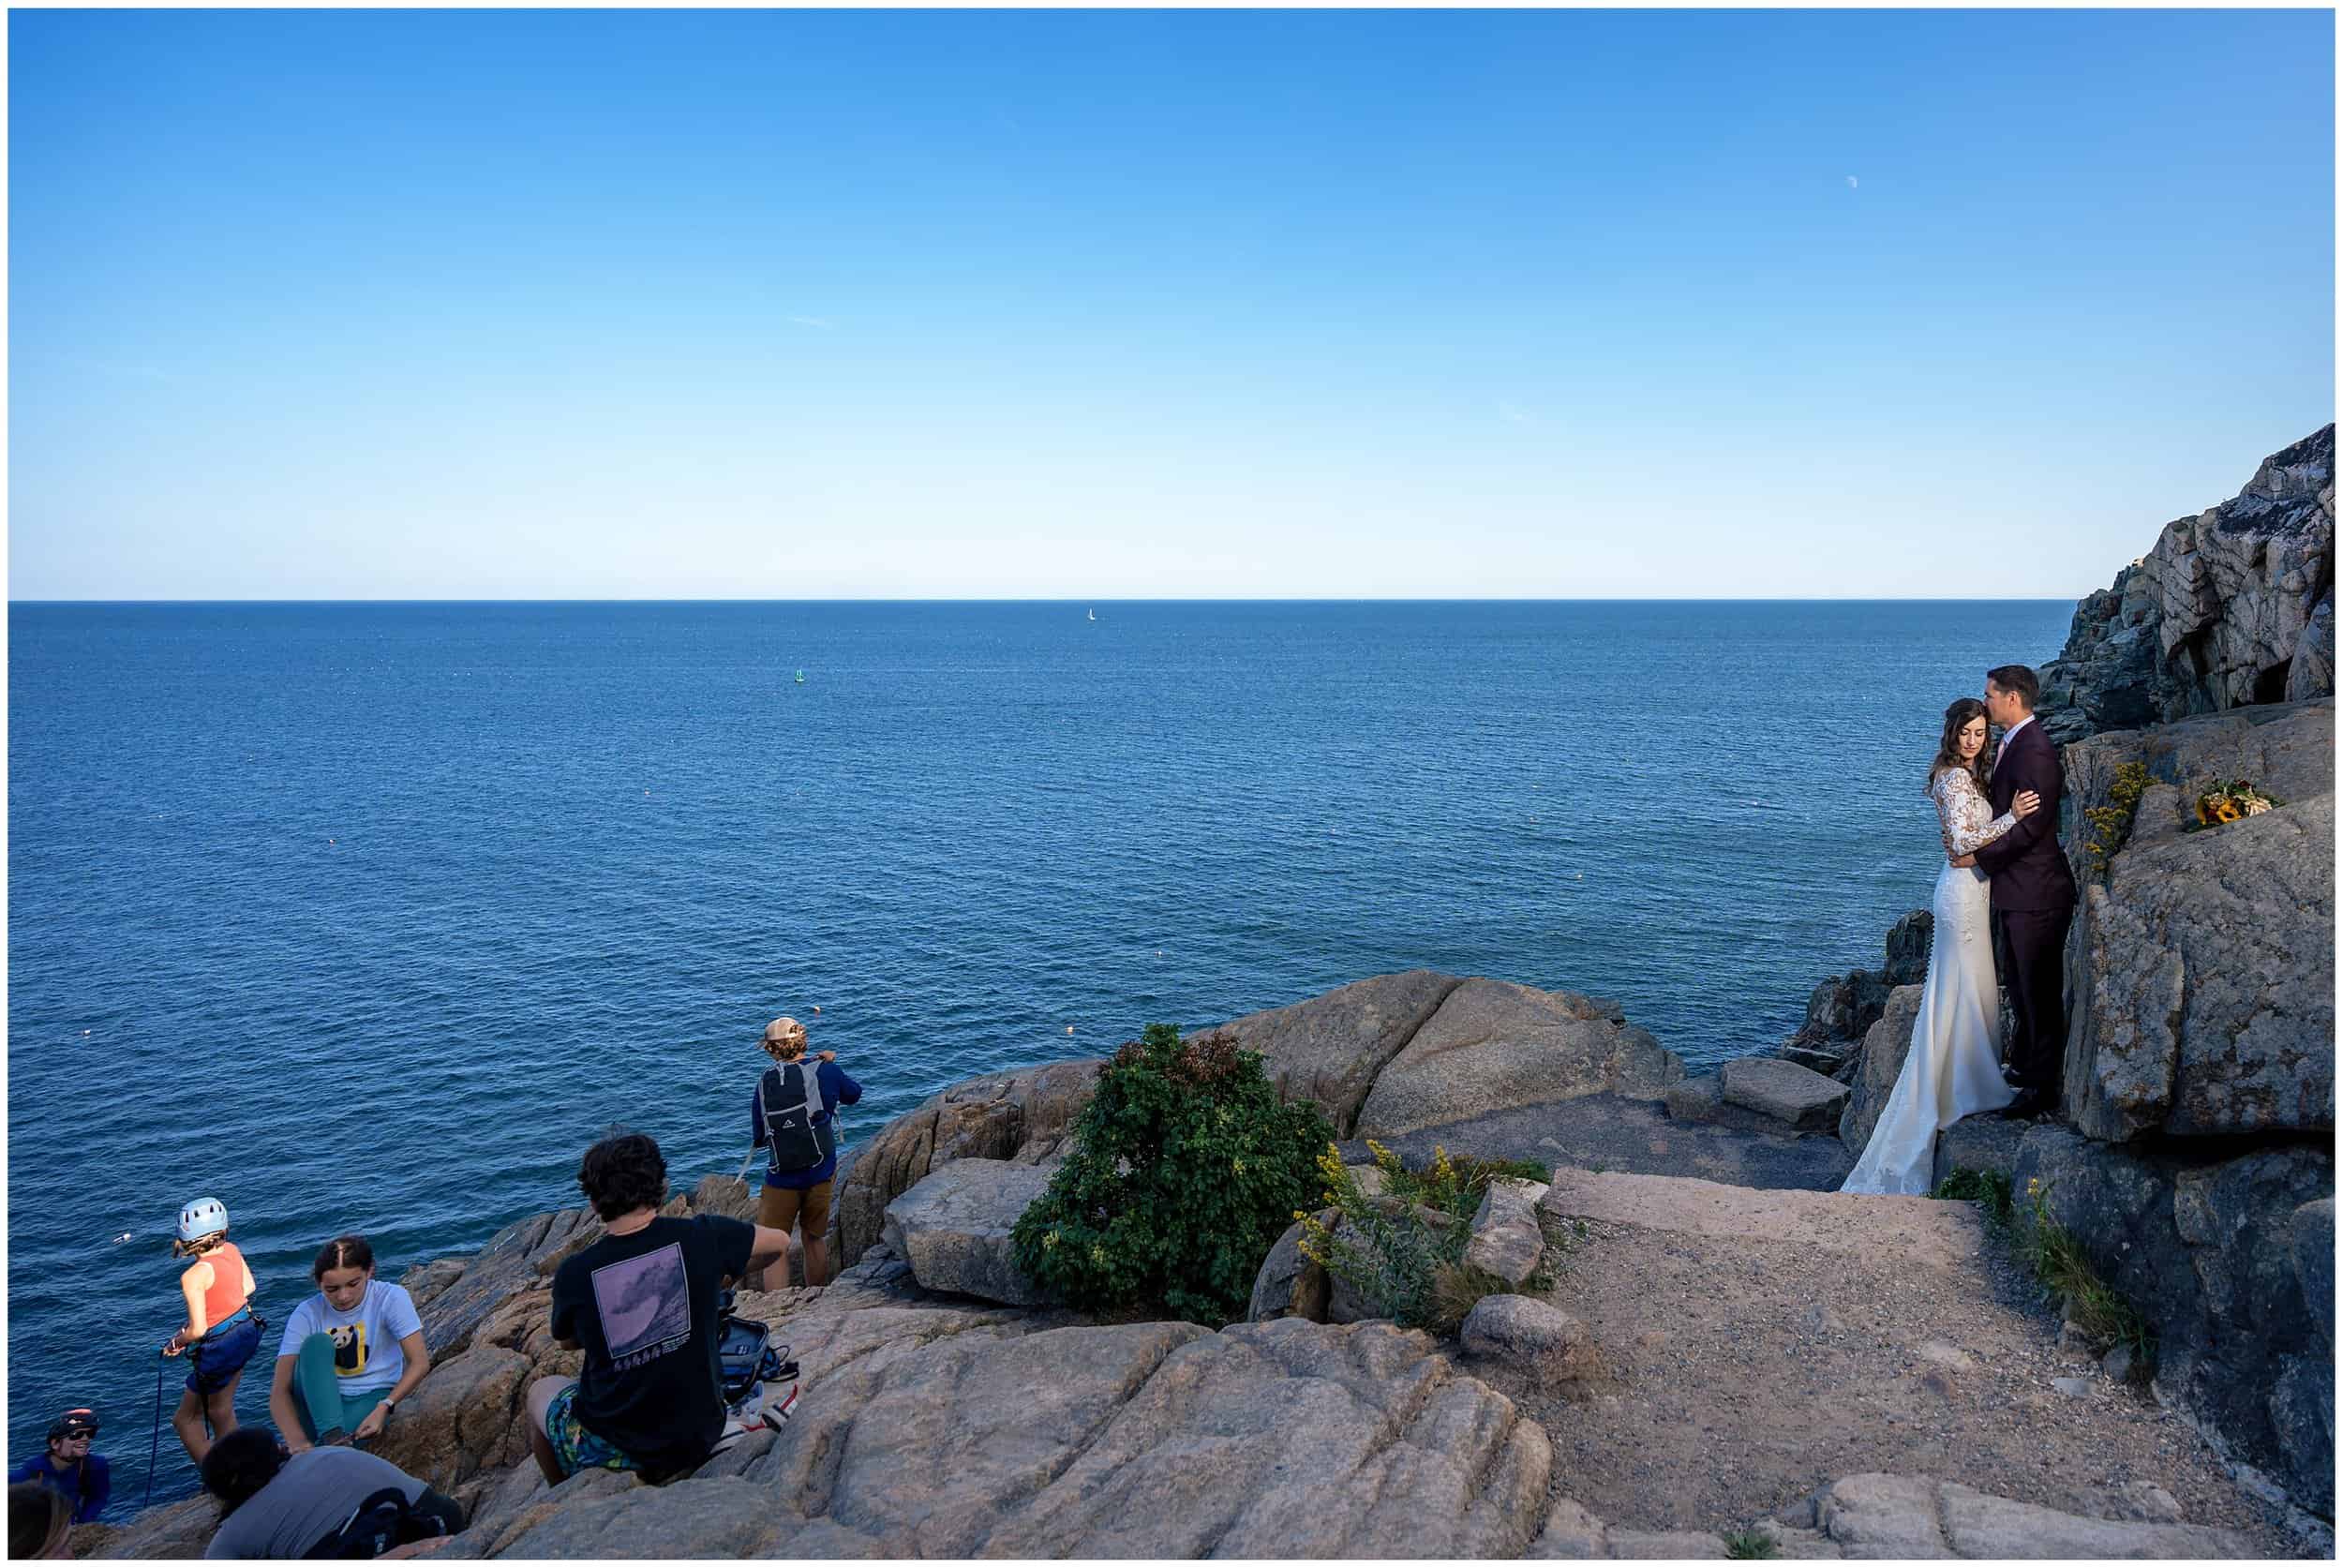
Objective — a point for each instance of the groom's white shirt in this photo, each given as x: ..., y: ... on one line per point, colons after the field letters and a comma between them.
x: 2008, y: 734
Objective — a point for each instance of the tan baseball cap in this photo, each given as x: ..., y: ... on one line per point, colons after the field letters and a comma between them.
x: 782, y: 1029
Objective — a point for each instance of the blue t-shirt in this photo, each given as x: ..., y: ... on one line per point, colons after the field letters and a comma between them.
x: 86, y: 1486
x: 836, y: 1089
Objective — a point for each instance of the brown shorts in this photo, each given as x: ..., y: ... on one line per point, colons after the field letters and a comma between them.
x: 780, y: 1207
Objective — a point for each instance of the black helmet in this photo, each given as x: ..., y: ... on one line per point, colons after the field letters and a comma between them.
x: 80, y: 1422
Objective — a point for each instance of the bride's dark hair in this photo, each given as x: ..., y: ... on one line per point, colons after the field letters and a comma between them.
x: 1957, y: 719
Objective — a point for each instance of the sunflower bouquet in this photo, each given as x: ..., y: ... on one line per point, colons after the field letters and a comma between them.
x: 2230, y: 801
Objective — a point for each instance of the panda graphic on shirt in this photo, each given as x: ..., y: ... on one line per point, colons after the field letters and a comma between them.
x: 350, y: 1347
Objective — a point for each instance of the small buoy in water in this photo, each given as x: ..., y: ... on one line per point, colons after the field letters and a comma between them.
x: 85, y: 1034
x: 1069, y: 1029
x: 817, y: 1009
x: 120, y: 1239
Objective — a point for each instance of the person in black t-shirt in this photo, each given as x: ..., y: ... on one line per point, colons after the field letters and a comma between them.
x: 641, y: 1302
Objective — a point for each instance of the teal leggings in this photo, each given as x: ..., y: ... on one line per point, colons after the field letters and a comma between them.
x: 318, y: 1396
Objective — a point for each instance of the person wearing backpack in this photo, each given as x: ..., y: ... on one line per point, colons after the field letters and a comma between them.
x: 274, y: 1504
x: 793, y: 1116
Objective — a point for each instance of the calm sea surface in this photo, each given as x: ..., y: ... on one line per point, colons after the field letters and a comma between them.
x: 370, y: 917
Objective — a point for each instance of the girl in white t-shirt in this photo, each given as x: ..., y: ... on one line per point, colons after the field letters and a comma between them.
x: 350, y: 1353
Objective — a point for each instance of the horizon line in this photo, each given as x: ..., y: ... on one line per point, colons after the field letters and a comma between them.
x: 1511, y: 599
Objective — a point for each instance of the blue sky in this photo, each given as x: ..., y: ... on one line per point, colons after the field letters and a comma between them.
x: 784, y: 305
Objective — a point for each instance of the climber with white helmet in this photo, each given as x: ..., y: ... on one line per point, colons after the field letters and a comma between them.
x: 221, y: 1332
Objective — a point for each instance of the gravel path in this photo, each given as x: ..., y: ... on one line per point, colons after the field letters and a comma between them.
x: 1743, y: 1370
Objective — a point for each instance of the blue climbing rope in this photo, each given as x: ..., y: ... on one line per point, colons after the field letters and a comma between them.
x: 155, y: 1449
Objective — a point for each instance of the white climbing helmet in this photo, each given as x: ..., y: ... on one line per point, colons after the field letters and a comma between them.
x: 205, y: 1217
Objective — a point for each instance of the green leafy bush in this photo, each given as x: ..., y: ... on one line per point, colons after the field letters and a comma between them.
x: 1408, y: 1255
x: 1187, y: 1167
x: 1990, y: 1190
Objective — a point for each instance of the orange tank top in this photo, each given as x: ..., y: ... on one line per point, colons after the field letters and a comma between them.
x: 226, y: 1294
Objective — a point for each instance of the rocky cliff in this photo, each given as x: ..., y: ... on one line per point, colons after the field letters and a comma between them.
x: 2197, y: 1164
x: 2232, y: 606
x: 2193, y: 1154
x: 1834, y: 1375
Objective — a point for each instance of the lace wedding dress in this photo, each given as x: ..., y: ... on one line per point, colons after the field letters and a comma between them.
x: 1953, y: 1069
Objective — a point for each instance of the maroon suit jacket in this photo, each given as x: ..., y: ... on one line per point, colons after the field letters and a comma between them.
x: 2027, y: 864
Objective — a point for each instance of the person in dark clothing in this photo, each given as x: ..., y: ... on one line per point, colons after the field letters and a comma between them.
x: 2033, y: 893
x: 642, y: 1304
x: 84, y: 1478
x: 795, y: 1191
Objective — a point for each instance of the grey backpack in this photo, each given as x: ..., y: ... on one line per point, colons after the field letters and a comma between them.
x: 791, y: 1095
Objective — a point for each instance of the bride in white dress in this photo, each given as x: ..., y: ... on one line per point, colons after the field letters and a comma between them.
x: 1953, y: 1069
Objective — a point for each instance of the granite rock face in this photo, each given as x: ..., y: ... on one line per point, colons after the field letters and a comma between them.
x: 2206, y: 1247
x: 1910, y: 1518
x: 1784, y: 1091
x: 1288, y: 1284
x: 953, y: 1228
x: 462, y: 1418
x: 1330, y: 1047
x: 2201, y: 969
x: 1018, y: 1115
x: 515, y: 1258
x: 1916, y: 1516
x: 1278, y: 1440
x: 1507, y: 1241
x: 1844, y: 1006
x: 1884, y: 1050
x: 2314, y: 1263
x: 1492, y: 1045
x: 1536, y: 1335
x: 2232, y: 606
x: 1977, y: 1143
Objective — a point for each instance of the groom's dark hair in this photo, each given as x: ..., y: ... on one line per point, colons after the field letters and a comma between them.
x: 2018, y: 679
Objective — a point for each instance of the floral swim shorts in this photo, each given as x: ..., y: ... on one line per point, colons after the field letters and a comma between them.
x: 574, y: 1446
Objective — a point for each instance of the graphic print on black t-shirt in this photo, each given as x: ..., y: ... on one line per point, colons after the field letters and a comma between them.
x: 644, y: 1305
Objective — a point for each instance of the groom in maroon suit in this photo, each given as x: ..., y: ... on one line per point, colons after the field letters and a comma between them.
x: 2033, y: 892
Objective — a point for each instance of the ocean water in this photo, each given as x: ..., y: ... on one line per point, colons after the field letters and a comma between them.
x: 371, y: 917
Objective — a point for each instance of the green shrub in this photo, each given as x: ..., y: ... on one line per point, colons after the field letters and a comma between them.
x: 1750, y: 1542
x: 2111, y: 824
x: 1187, y: 1167
x: 1408, y: 1259
x: 1990, y: 1190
